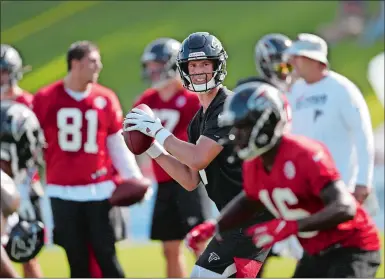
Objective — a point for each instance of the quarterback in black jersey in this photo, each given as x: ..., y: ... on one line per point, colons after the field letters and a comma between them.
x: 204, y: 159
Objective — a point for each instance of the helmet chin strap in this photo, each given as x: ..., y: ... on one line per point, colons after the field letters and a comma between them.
x: 6, y: 87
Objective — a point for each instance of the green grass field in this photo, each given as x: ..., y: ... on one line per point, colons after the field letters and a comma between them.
x: 146, y: 261
x: 43, y: 30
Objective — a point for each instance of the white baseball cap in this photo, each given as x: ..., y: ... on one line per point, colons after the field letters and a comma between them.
x: 310, y: 46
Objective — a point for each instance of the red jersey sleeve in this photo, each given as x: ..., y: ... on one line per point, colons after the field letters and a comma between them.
x: 188, y: 113
x: 38, y: 107
x: 319, y: 168
x: 250, y: 181
x: 25, y: 98
x: 116, y: 115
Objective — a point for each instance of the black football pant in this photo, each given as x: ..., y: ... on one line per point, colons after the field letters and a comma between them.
x: 79, y: 224
x: 339, y: 263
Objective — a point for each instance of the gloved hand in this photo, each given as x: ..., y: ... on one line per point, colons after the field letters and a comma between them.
x: 266, y: 234
x: 145, y: 124
x: 26, y: 210
x: 200, y: 233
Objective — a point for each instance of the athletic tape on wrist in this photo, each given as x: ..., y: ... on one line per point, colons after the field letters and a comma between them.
x: 155, y: 150
x: 162, y: 135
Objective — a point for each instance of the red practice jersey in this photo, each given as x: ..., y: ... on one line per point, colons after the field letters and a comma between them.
x: 76, y: 133
x: 175, y: 115
x: 291, y: 191
x: 25, y: 98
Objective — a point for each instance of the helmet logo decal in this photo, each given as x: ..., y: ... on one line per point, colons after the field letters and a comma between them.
x: 197, y: 54
x: 20, y: 249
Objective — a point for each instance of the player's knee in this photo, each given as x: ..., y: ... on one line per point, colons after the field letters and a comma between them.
x: 172, y: 250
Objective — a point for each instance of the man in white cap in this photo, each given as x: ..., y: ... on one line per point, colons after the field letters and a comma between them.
x: 328, y: 107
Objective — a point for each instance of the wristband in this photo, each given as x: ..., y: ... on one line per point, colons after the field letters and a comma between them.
x: 155, y: 150
x: 162, y: 135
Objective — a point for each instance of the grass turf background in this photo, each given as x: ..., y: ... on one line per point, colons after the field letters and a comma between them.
x: 43, y: 31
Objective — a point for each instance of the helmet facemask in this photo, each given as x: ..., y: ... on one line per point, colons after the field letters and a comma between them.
x: 163, y: 52
x: 13, y: 78
x: 256, y: 140
x: 269, y: 60
x: 11, y: 63
x: 164, y: 74
x: 258, y: 122
x: 272, y: 68
x: 218, y: 74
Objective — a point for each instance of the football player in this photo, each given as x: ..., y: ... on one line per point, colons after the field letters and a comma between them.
x: 296, y: 179
x: 81, y: 120
x: 203, y: 160
x: 268, y: 57
x: 11, y: 71
x: 176, y: 210
x: 22, y: 141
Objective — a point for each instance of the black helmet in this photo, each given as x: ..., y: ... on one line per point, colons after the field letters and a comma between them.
x: 269, y: 59
x: 25, y: 241
x: 202, y: 46
x: 256, y: 112
x: 163, y: 50
x: 21, y: 137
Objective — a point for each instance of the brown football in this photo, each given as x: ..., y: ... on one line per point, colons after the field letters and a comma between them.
x: 136, y: 141
x: 130, y: 191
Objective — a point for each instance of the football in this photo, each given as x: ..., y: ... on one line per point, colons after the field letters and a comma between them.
x: 136, y: 141
x: 130, y: 191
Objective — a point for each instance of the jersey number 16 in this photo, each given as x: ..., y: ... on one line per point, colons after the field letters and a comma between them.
x: 283, y: 197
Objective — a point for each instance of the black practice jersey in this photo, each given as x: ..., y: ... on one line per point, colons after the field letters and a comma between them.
x: 223, y: 180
